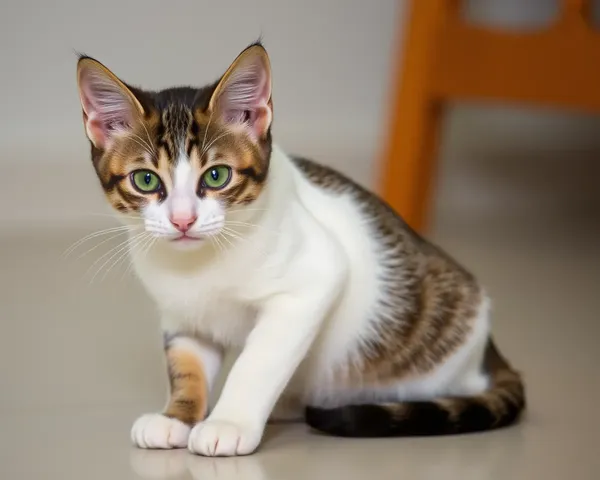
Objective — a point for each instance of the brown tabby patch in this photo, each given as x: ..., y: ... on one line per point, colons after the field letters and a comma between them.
x: 188, y: 402
x: 176, y: 125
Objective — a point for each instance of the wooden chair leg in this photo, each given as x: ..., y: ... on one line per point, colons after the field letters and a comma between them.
x: 411, y: 150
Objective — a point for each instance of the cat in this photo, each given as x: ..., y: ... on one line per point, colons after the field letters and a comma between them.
x: 346, y: 318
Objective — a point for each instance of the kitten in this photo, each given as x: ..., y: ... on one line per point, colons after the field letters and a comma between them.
x: 347, y: 317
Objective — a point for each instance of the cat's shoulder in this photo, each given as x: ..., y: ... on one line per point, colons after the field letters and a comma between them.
x: 370, y: 205
x: 385, y: 224
x: 324, y: 176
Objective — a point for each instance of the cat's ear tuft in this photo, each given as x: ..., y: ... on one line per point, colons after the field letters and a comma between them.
x: 243, y: 95
x: 109, y: 107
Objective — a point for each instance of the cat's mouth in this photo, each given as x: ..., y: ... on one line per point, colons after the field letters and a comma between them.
x: 186, y: 239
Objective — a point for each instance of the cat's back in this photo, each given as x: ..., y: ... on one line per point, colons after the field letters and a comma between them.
x: 344, y: 201
x: 389, y: 263
x: 371, y: 216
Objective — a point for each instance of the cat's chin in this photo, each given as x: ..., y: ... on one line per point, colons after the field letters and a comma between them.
x: 186, y: 243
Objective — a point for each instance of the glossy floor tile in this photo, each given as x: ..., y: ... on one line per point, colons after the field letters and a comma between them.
x: 81, y: 359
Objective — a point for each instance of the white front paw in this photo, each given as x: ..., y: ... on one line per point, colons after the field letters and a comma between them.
x: 219, y: 438
x: 157, y: 431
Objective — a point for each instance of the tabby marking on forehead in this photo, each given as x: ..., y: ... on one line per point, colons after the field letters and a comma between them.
x: 173, y: 135
x: 176, y: 119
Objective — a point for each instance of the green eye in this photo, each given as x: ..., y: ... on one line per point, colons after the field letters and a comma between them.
x: 216, y: 177
x: 145, y: 181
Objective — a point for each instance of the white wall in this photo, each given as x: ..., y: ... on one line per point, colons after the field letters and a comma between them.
x: 506, y: 159
x: 331, y: 62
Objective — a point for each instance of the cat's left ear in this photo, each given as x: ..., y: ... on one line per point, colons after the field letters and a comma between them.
x: 243, y: 95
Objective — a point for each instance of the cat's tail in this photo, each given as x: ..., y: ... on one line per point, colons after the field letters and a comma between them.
x: 499, y: 406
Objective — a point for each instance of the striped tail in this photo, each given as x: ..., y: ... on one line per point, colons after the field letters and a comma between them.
x: 501, y: 405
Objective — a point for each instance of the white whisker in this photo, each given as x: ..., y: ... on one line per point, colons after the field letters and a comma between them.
x: 147, y: 249
x: 87, y: 252
x: 224, y: 237
x: 248, y: 210
x: 233, y: 233
x: 124, y: 253
x: 144, y: 250
x: 114, y: 215
x: 92, y: 235
x: 224, y: 134
x: 149, y: 139
x: 141, y: 247
x: 141, y: 143
x: 205, y: 132
x: 220, y: 248
x: 210, y: 225
x: 235, y: 223
x: 243, y: 224
x: 162, y: 232
x: 114, y: 251
x: 148, y: 145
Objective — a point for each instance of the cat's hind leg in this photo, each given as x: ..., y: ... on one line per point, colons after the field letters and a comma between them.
x: 478, y: 402
x: 288, y: 409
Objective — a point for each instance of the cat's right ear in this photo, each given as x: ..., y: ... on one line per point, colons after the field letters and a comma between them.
x: 243, y: 95
x: 109, y: 107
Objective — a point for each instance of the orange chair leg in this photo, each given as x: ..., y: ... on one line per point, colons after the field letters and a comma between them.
x: 409, y: 159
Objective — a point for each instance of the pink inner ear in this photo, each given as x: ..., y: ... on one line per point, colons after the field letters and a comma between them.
x: 244, y: 99
x: 107, y: 109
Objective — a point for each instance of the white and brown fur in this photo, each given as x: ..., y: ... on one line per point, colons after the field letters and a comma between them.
x: 344, y: 315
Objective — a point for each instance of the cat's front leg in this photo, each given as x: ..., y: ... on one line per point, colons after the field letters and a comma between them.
x: 286, y: 328
x: 192, y: 366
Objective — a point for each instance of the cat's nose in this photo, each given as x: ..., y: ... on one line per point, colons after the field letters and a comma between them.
x: 183, y: 223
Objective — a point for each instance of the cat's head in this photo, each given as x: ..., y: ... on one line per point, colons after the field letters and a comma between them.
x: 181, y: 159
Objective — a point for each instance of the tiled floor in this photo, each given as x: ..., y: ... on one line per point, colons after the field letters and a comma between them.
x: 79, y: 362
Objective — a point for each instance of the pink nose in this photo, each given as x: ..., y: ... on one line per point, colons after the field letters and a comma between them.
x: 183, y: 224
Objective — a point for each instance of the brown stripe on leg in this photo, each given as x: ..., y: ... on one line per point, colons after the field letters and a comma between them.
x: 189, y: 387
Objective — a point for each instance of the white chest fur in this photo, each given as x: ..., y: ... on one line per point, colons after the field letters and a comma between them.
x: 219, y: 294
x: 216, y: 298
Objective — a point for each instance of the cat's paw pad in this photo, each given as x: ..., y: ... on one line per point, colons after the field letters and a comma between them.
x: 157, y: 431
x: 218, y: 438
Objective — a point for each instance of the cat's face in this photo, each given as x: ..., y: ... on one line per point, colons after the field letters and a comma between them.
x: 183, y: 159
